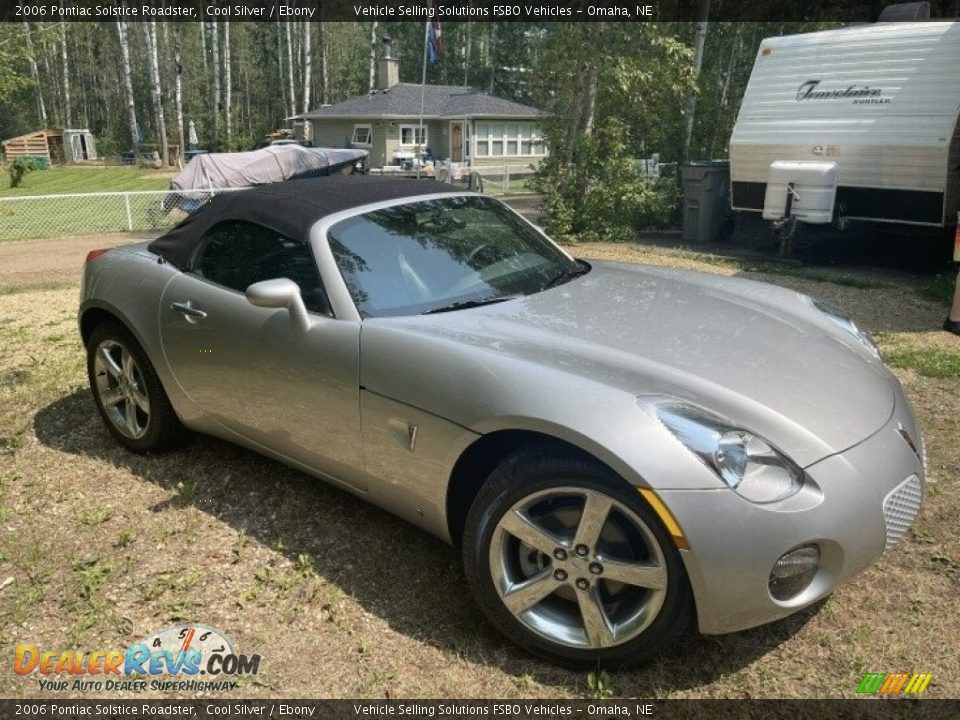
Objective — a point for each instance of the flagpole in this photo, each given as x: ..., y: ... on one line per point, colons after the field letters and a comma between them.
x: 423, y: 84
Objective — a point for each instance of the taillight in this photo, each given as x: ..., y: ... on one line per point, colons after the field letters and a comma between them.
x: 94, y: 254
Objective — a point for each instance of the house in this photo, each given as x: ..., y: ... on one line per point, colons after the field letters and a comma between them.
x: 461, y: 124
x: 54, y: 145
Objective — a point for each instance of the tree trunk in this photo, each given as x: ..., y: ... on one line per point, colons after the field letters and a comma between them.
x: 178, y: 85
x: 246, y: 84
x: 292, y: 90
x: 150, y: 35
x: 324, y: 66
x: 725, y: 86
x: 700, y: 40
x: 204, y: 31
x: 466, y: 55
x: 67, y: 118
x: 491, y: 56
x: 35, y: 73
x: 217, y: 107
x: 372, y: 60
x: 589, y: 101
x: 283, y: 82
x: 128, y: 86
x: 228, y: 83
x: 307, y: 66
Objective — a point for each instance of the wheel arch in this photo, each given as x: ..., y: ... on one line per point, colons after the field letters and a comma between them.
x: 94, y: 314
x: 474, y: 465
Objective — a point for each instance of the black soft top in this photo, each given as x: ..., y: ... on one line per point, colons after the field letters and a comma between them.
x: 290, y: 208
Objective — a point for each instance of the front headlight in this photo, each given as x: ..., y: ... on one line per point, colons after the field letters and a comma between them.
x: 843, y: 321
x: 744, y: 461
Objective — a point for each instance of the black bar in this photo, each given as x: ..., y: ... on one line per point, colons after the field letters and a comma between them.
x: 450, y: 10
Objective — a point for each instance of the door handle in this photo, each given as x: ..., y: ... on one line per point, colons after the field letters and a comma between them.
x: 187, y: 309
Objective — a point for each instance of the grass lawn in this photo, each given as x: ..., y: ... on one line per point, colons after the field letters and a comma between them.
x: 85, y: 179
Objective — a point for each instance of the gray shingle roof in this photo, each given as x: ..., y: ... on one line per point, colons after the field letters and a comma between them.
x: 439, y: 101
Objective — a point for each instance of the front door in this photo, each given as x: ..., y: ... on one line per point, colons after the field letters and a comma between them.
x: 456, y: 142
x: 250, y: 369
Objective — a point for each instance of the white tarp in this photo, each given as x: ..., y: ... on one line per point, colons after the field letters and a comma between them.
x: 275, y: 163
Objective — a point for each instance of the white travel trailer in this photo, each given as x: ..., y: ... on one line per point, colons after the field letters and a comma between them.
x: 859, y: 123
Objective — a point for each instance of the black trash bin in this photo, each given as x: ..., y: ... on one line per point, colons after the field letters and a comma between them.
x: 706, y: 192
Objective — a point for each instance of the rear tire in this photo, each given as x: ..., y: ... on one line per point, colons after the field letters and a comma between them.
x: 567, y: 560
x: 128, y: 394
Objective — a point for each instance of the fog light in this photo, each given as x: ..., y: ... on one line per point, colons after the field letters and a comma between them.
x: 794, y: 571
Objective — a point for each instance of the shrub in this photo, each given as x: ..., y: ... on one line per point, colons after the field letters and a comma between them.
x: 21, y: 166
x: 603, y: 195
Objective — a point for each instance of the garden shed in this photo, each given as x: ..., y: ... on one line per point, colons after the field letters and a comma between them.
x: 54, y: 145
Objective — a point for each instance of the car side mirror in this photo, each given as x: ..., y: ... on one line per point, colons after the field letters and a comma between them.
x: 281, y: 293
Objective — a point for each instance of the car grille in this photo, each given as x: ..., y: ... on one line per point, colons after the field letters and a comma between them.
x: 900, y: 509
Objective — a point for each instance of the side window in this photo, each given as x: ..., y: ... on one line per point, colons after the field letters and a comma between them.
x: 238, y: 254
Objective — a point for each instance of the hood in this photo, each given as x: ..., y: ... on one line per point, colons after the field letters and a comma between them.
x: 758, y: 354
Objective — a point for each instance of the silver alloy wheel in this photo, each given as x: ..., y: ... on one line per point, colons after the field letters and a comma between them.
x: 578, y: 567
x: 121, y: 389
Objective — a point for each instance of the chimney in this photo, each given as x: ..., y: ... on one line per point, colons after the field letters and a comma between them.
x: 389, y: 66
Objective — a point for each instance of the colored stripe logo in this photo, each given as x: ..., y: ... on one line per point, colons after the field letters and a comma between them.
x: 894, y: 683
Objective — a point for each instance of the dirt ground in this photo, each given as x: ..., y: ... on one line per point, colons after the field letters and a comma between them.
x: 100, y: 547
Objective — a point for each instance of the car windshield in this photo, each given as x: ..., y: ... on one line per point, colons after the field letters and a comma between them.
x: 443, y: 254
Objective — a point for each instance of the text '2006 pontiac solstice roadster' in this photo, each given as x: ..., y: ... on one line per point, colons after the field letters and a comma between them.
x: 616, y: 448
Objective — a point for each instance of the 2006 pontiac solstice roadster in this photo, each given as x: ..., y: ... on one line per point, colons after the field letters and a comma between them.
x: 616, y: 448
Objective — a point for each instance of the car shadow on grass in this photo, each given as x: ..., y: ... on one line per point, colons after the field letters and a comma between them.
x: 408, y: 578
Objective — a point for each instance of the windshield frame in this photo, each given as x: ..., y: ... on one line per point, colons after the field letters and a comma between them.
x: 340, y: 298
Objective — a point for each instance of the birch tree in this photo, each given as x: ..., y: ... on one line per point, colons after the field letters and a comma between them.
x: 699, y: 41
x: 178, y: 84
x: 324, y: 66
x: 35, y: 74
x: 373, y: 57
x: 68, y: 120
x: 215, y: 46
x: 307, y: 66
x: 228, y: 83
x: 283, y: 81
x: 150, y: 36
x: 128, y: 85
x: 293, y: 92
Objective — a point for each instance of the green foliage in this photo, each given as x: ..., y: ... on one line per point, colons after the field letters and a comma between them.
x: 638, y: 76
x: 20, y: 167
x: 12, y: 53
x: 600, y: 685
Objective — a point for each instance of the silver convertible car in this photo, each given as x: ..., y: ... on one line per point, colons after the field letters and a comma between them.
x: 617, y: 449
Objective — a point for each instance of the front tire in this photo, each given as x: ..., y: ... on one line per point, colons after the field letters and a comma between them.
x: 568, y: 561
x: 128, y: 394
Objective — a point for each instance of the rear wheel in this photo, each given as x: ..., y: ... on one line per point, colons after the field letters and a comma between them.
x: 128, y: 393
x: 570, y: 563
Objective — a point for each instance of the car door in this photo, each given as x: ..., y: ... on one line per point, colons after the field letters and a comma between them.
x: 251, y: 369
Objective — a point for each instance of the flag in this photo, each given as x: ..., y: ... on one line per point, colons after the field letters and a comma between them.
x: 434, y: 34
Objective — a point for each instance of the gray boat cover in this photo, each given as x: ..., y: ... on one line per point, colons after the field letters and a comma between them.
x: 272, y: 164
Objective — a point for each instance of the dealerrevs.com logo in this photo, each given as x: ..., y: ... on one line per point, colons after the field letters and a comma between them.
x: 172, y: 659
x: 859, y: 94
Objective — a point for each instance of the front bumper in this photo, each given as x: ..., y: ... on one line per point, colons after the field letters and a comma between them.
x: 734, y: 543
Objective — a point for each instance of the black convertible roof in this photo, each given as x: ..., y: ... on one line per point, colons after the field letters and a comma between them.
x: 290, y: 208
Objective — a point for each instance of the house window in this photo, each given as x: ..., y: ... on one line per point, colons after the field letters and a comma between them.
x: 362, y: 136
x: 413, y: 135
x: 514, y: 139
